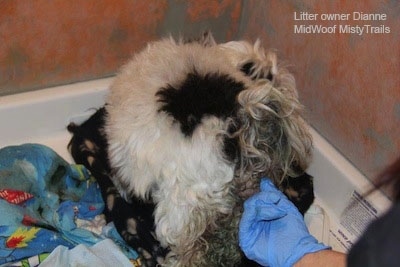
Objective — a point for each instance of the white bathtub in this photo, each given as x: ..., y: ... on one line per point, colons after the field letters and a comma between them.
x: 41, y: 117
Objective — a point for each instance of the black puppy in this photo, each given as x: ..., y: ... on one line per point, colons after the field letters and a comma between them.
x: 133, y: 219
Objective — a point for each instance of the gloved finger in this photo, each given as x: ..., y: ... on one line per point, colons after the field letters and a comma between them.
x: 263, y: 198
x: 269, y: 212
x: 262, y: 212
x: 266, y: 184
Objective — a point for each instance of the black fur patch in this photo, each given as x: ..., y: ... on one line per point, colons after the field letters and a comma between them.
x: 198, y: 96
x: 90, y: 131
x: 300, y: 190
x: 247, y: 68
x: 231, y: 144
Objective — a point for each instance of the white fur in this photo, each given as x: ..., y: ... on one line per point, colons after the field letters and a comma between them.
x: 185, y: 176
x: 188, y: 177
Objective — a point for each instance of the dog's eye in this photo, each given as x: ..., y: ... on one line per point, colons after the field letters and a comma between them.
x: 249, y: 70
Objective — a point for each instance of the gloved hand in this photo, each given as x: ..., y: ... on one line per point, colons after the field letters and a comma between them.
x: 272, y: 231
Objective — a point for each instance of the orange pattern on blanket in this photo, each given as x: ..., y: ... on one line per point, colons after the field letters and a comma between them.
x: 21, y: 237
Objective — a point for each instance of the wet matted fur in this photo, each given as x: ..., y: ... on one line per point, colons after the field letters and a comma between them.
x: 193, y: 126
x: 188, y: 128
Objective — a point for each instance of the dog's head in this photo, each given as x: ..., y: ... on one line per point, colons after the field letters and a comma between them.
x: 195, y: 124
x: 274, y: 140
x: 204, y: 114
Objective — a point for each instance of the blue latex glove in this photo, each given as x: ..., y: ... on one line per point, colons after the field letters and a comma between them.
x: 272, y: 231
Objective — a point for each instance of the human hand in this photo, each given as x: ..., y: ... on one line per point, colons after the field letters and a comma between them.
x: 272, y: 231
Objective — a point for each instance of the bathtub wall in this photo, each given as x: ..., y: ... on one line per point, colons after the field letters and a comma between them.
x: 349, y: 83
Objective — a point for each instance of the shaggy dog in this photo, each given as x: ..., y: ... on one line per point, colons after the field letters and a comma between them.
x: 193, y: 126
x: 133, y: 218
x: 188, y: 128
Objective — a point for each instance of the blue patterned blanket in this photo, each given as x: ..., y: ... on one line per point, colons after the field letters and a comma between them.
x: 41, y: 199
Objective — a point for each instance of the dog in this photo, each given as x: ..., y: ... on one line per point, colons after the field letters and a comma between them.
x: 132, y: 217
x: 190, y: 127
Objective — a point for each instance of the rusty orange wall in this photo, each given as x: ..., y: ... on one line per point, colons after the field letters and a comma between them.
x: 350, y: 84
x: 45, y: 43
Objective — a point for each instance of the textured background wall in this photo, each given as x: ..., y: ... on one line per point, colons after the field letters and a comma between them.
x: 349, y: 84
x: 54, y: 42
